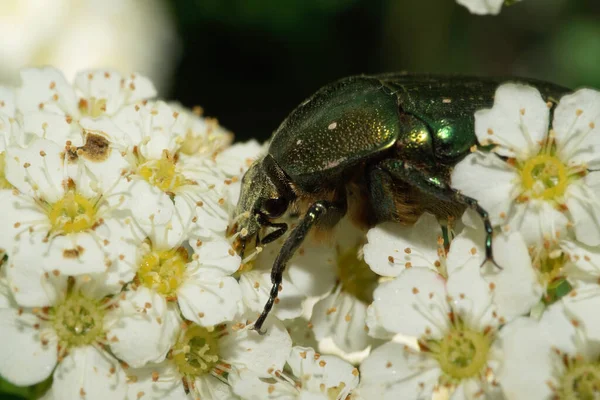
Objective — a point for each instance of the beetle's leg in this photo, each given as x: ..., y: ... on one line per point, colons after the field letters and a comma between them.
x: 383, y: 195
x: 437, y: 187
x: 280, y: 229
x: 334, y: 211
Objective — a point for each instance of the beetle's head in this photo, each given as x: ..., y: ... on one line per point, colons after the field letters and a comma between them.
x: 265, y: 196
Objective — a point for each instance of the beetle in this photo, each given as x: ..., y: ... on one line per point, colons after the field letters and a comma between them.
x: 384, y: 145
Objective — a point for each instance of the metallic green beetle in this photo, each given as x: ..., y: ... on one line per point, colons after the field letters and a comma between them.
x: 384, y: 145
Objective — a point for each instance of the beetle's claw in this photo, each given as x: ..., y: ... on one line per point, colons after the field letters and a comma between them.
x: 492, y: 261
x: 261, y: 332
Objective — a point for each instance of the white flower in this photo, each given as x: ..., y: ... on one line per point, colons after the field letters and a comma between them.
x: 75, y: 35
x: 482, y: 6
x: 65, y: 215
x: 310, y: 376
x: 536, y: 181
x: 202, y: 288
x: 456, y: 322
x: 202, y: 358
x: 549, y: 359
x: 65, y: 335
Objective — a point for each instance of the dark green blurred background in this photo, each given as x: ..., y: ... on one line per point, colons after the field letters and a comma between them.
x: 250, y: 62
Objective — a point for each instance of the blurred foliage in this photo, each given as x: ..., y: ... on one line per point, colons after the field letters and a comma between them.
x: 9, y: 391
x: 250, y: 62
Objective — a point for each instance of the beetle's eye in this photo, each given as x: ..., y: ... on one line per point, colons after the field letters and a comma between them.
x: 275, y: 207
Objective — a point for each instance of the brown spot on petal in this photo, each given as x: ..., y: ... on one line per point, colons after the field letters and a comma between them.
x: 73, y: 253
x: 96, y: 148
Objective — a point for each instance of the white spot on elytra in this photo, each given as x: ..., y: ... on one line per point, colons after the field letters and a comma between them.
x: 298, y: 141
x: 332, y: 126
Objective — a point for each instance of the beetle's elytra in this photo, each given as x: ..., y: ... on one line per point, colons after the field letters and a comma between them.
x: 395, y: 137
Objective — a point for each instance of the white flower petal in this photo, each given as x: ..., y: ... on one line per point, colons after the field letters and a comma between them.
x: 236, y: 159
x: 577, y: 127
x: 256, y: 285
x: 482, y: 7
x: 515, y: 288
x: 37, y: 170
x: 31, y: 285
x: 210, y: 387
x: 489, y: 180
x: 518, y: 121
x: 391, y: 246
x: 246, y: 348
x: 312, y: 269
x: 341, y: 316
x: 142, y: 384
x: 24, y: 359
x: 143, y: 328
x: 115, y: 89
x: 528, y: 349
x: 329, y: 370
x: 218, y: 256
x: 90, y: 373
x: 537, y: 220
x: 583, y: 303
x: 583, y: 202
x: 7, y: 101
x: 46, y: 88
x: 209, y: 300
x: 413, y: 304
x: 50, y: 126
x: 397, y: 372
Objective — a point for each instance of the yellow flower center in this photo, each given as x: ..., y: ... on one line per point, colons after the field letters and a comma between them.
x: 355, y: 276
x: 4, y: 183
x: 462, y: 353
x: 197, y: 352
x: 544, y: 177
x: 581, y: 380
x: 79, y: 321
x: 163, y: 271
x: 162, y: 173
x: 73, y: 213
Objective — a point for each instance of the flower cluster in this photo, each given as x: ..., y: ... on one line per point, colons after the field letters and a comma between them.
x: 119, y: 278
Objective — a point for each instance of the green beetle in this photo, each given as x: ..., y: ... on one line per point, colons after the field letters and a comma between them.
x: 384, y: 145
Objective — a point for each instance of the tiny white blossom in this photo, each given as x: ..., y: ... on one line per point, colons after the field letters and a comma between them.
x: 168, y: 282
x: 203, y: 357
x: 65, y: 335
x: 65, y: 215
x: 534, y: 180
x: 549, y: 359
x: 310, y: 376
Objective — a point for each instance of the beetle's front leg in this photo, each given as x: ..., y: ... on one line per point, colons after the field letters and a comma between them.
x: 333, y: 211
x: 435, y: 186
